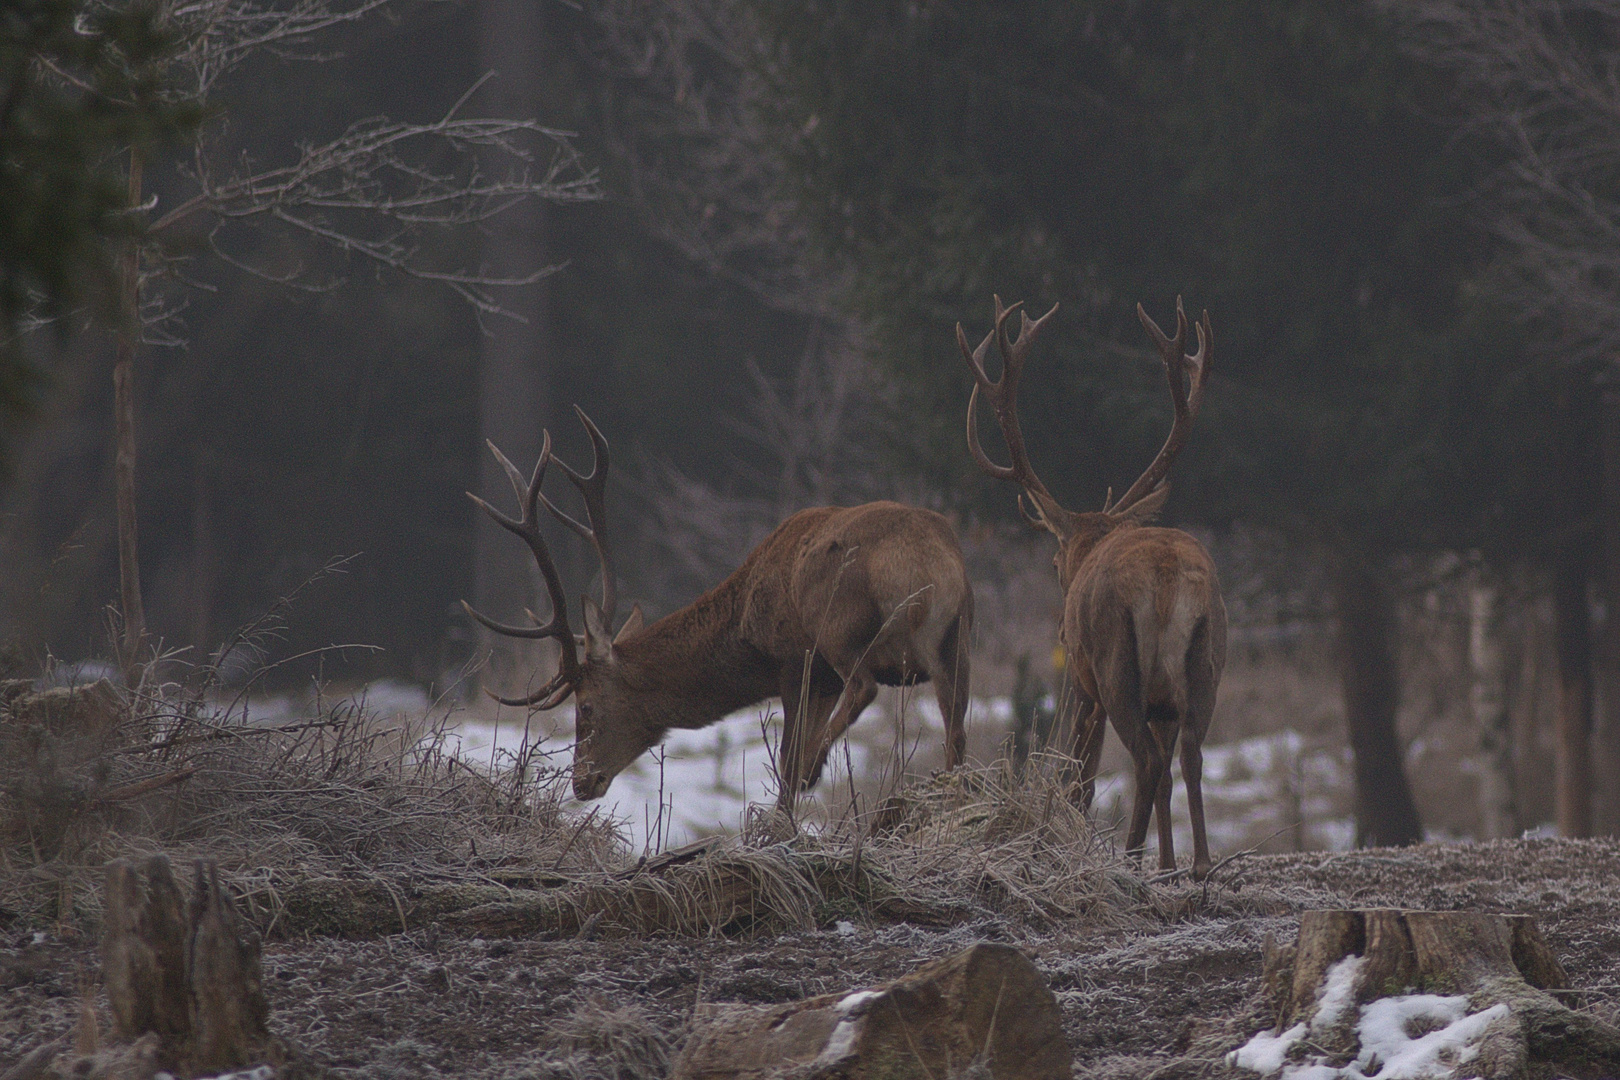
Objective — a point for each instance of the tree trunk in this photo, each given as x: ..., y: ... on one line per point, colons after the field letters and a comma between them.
x: 1370, y: 682
x: 129, y: 336
x: 184, y: 985
x: 1605, y: 742
x: 1572, y: 622
x: 1488, y: 702
x: 203, y: 561
x: 1483, y: 977
x: 513, y: 383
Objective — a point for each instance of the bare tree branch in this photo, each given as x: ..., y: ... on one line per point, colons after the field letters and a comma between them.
x: 1541, y: 78
x: 374, y: 190
x: 703, y: 152
x: 380, y: 191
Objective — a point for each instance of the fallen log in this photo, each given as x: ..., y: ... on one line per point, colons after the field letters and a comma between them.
x: 1433, y: 992
x: 987, y: 1009
x: 696, y: 892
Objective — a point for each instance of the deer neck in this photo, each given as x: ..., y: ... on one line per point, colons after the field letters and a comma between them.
x: 694, y: 664
x: 1091, y: 530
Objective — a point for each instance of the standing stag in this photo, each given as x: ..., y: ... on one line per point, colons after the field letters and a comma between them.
x: 1144, y: 627
x: 834, y: 602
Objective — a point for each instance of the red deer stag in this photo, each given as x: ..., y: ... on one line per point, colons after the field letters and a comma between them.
x: 834, y: 602
x: 1144, y: 627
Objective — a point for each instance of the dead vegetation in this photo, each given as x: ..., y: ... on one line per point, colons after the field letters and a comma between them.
x: 342, y: 825
x: 89, y: 774
x: 429, y: 917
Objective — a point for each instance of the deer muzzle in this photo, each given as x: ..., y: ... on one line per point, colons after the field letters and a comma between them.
x: 590, y: 783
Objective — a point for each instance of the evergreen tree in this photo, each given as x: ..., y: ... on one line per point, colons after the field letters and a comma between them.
x: 1279, y: 164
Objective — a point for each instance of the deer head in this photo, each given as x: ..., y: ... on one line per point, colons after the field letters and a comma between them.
x: 1078, y: 532
x: 613, y: 726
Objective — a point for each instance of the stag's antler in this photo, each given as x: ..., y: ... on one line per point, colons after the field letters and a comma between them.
x: 1003, y: 397
x: 1177, y: 367
x: 528, y: 528
x: 593, y: 488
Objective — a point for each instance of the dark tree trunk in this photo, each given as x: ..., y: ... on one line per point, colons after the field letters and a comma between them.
x: 1605, y: 744
x: 129, y: 336
x: 513, y: 382
x: 1370, y: 681
x: 1572, y: 621
x: 203, y: 560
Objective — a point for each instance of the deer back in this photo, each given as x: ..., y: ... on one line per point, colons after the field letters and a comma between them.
x: 838, y: 579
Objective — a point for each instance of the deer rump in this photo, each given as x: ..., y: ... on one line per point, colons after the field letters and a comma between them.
x: 1149, y: 626
x: 880, y: 585
x: 859, y: 596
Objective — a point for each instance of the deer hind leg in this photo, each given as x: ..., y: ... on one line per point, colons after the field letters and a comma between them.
x: 1201, y: 679
x: 1161, y: 798
x: 1150, y: 768
x: 951, y: 681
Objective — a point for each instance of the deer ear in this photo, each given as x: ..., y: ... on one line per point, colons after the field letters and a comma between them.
x: 631, y: 625
x: 1148, y: 506
x: 598, y: 640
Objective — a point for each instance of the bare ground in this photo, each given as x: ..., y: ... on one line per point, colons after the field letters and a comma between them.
x: 1157, y: 993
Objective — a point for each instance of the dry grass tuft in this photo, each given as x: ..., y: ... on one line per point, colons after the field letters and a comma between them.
x: 90, y: 774
x: 964, y: 847
x: 1015, y: 845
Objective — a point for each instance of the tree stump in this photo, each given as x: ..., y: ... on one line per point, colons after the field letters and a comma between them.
x: 986, y: 1006
x: 1430, y: 993
x: 183, y: 983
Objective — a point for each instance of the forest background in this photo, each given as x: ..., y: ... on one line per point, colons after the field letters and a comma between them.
x: 768, y: 221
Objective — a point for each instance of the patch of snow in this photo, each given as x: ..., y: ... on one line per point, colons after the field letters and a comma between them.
x: 718, y: 771
x: 1337, y: 986
x: 1266, y: 1052
x: 392, y: 698
x: 841, y: 1043
x: 1433, y: 1056
x: 851, y: 1002
x: 1386, y: 1051
x: 262, y: 1072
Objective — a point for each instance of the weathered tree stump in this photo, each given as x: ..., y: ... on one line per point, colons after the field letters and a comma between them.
x: 183, y: 983
x: 985, y: 1006
x: 1467, y: 989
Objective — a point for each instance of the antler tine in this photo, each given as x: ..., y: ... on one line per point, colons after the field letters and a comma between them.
x: 520, y: 486
x: 527, y: 527
x: 1002, y: 394
x: 593, y: 488
x: 549, y: 696
x: 1201, y: 363
x: 1177, y: 364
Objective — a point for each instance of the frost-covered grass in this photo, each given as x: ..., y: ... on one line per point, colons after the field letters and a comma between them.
x: 1273, y: 787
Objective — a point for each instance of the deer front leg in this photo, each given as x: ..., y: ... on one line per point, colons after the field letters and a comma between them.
x: 803, y: 712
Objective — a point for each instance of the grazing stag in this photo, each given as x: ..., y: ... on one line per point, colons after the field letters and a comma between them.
x: 1144, y: 627
x: 834, y: 602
